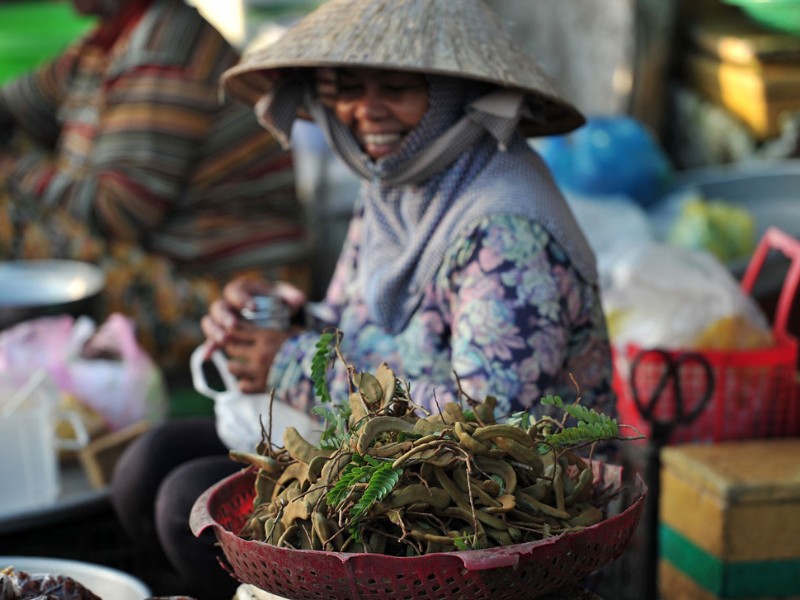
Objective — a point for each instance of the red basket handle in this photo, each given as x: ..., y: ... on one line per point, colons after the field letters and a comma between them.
x: 775, y: 239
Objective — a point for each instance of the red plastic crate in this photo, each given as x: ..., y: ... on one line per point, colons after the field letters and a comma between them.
x: 754, y: 393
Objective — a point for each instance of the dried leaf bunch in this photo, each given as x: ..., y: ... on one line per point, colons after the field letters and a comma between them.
x: 387, y: 477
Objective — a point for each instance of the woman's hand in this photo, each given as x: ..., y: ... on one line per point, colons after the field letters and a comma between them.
x: 250, y: 349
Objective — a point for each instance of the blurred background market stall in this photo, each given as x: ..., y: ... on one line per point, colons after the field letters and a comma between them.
x: 691, y: 154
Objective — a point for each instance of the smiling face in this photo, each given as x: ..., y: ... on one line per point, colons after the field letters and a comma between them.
x: 380, y: 107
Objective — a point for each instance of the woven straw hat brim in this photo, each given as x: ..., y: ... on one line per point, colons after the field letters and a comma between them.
x: 462, y: 38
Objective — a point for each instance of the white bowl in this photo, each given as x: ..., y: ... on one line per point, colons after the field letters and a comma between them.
x: 105, y: 582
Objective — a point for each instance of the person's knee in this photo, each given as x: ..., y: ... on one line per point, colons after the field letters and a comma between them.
x: 179, y: 492
x: 148, y: 460
x: 196, y: 559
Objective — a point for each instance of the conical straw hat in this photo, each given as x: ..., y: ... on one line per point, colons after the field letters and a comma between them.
x: 462, y: 38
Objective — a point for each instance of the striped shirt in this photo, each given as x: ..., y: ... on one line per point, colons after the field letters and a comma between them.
x: 147, y: 151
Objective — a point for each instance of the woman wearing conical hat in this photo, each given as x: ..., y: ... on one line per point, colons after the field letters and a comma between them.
x: 463, y: 268
x: 463, y: 264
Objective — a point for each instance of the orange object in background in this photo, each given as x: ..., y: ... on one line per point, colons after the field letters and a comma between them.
x: 746, y: 68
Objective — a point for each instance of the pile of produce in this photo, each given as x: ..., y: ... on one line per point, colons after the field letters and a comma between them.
x: 19, y: 585
x: 389, y: 478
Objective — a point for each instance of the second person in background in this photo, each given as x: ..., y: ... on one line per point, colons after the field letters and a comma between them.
x: 125, y: 153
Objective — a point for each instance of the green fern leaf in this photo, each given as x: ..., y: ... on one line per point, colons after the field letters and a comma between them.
x: 380, y: 478
x: 324, y: 412
x: 353, y: 473
x: 550, y: 400
x: 522, y: 419
x: 319, y: 366
x: 462, y: 542
x: 381, y: 483
x: 591, y: 425
x: 467, y: 541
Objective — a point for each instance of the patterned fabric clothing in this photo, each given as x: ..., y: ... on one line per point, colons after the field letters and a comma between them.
x: 506, y: 315
x: 139, y: 155
x: 165, y: 302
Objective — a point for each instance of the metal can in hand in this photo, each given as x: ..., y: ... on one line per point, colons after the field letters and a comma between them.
x: 268, y: 312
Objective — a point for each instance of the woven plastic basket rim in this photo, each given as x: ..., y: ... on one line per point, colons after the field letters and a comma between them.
x: 471, y: 559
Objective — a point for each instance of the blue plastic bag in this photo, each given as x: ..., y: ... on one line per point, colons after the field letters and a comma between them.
x: 609, y: 156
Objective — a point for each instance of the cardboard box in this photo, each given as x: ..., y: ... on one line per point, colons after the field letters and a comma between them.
x: 730, y: 520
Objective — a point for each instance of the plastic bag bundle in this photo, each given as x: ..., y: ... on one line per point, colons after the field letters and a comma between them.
x: 103, y: 367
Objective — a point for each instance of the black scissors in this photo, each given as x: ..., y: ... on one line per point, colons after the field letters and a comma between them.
x: 674, y: 367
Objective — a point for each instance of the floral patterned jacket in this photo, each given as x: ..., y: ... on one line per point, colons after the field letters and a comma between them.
x: 506, y: 315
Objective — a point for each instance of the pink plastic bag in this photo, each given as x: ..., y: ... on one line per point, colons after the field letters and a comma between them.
x: 105, y: 367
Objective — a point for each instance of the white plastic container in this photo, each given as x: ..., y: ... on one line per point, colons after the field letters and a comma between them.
x: 29, y: 469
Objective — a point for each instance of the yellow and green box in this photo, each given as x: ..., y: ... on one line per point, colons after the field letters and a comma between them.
x: 730, y: 521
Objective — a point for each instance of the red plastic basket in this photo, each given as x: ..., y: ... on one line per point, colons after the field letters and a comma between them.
x: 755, y: 392
x: 523, y: 571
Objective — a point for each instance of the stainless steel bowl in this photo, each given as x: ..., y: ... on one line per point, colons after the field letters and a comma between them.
x: 35, y: 288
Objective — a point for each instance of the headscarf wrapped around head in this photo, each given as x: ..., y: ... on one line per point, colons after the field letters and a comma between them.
x: 417, y: 200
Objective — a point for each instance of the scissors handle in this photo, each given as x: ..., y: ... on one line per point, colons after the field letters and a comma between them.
x: 708, y: 388
x: 672, y: 373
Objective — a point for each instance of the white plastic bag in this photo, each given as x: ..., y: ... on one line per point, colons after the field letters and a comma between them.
x: 614, y: 227
x: 664, y: 296
x: 239, y: 416
x: 105, y: 368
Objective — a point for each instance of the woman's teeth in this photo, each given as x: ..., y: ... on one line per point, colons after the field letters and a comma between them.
x: 381, y: 139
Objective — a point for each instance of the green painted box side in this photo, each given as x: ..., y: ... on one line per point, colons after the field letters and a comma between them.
x: 733, y: 580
